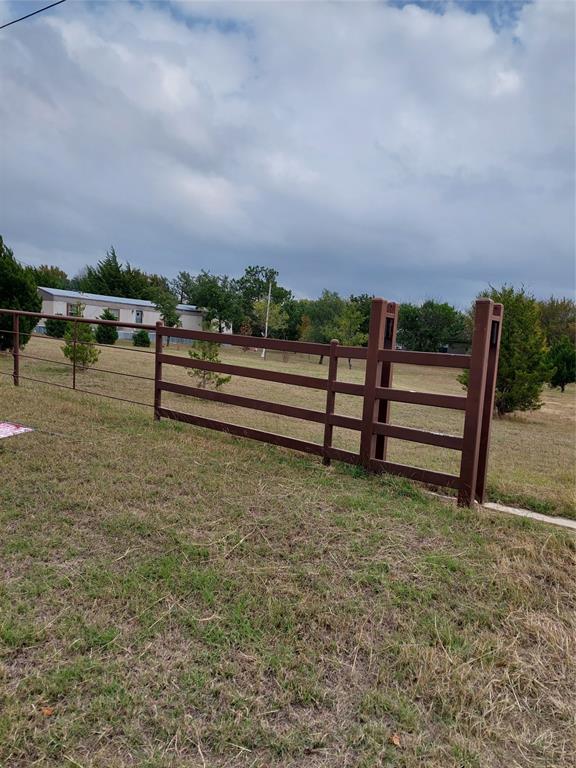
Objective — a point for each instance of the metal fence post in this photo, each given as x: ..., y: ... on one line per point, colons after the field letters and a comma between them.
x: 74, y: 340
x: 157, y: 371
x: 330, y: 400
x: 373, y: 376
x: 475, y: 402
x: 386, y: 377
x: 489, y: 394
x: 16, y: 350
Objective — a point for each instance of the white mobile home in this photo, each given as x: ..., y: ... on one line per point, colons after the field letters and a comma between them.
x: 63, y: 302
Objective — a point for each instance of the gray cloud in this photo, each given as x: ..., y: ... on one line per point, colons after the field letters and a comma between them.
x: 355, y: 146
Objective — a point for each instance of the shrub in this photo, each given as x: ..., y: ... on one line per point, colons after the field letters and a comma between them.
x: 523, y: 366
x: 107, y: 334
x: 562, y: 356
x: 56, y: 328
x: 79, y: 342
x: 207, y: 350
x: 141, y: 338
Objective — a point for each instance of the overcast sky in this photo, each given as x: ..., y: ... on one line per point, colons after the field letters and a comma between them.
x: 410, y: 151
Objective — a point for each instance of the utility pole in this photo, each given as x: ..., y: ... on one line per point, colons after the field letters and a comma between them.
x: 267, y: 317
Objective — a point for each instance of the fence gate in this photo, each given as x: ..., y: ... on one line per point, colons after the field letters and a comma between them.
x: 377, y: 393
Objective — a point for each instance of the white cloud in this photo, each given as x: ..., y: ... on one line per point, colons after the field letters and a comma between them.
x: 356, y: 146
x: 506, y: 82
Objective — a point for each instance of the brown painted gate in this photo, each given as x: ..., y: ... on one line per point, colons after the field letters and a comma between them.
x: 377, y: 393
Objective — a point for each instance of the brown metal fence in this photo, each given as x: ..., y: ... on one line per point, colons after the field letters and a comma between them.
x: 17, y: 353
x: 377, y: 392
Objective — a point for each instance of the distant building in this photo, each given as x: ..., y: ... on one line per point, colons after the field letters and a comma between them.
x: 62, y: 302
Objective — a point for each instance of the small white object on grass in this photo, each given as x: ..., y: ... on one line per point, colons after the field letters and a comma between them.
x: 7, y: 429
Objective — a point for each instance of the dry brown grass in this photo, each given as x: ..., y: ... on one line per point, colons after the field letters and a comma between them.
x: 174, y: 598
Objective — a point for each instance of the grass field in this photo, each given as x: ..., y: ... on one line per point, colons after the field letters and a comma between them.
x: 533, y: 455
x: 177, y: 598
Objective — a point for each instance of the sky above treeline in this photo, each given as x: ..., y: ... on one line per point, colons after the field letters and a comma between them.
x: 406, y: 150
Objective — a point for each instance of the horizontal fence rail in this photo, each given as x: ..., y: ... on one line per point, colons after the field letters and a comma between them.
x: 74, y: 319
x: 415, y: 473
x: 442, y: 359
x: 18, y: 355
x: 438, y: 439
x: 236, y: 340
x: 377, y: 392
x: 295, y: 379
x: 456, y: 402
x: 234, y: 429
x: 280, y: 409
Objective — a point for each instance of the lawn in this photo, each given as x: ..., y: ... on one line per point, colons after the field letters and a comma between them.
x: 174, y: 597
x: 533, y: 455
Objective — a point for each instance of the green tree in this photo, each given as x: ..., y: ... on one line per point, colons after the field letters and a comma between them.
x: 431, y: 325
x: 364, y: 304
x: 207, y: 351
x: 347, y: 327
x: 305, y: 327
x: 215, y: 294
x: 523, y: 366
x: 246, y: 330
x: 56, y: 328
x: 295, y: 309
x: 17, y: 291
x: 166, y: 304
x: 156, y: 283
x: 180, y: 286
x: 111, y: 278
x: 50, y: 277
x: 79, y: 282
x: 252, y: 287
x: 141, y: 338
x: 323, y: 313
x: 107, y: 334
x: 277, y: 317
x: 79, y: 342
x: 321, y: 317
x: 105, y: 278
x: 562, y: 357
x: 558, y: 318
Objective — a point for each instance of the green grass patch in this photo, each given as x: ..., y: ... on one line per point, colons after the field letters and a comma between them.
x: 174, y: 598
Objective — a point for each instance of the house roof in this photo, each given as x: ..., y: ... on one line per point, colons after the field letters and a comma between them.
x: 79, y: 296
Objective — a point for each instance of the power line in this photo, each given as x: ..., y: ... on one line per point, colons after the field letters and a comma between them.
x: 31, y: 14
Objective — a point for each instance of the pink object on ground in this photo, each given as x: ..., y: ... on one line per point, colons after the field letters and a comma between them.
x: 7, y: 429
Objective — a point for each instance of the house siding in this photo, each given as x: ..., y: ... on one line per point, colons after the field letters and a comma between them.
x: 93, y: 308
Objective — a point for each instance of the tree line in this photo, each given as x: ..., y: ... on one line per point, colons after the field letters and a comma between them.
x: 538, y: 337
x: 241, y: 304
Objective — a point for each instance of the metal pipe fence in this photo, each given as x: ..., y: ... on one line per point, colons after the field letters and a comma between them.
x: 18, y: 355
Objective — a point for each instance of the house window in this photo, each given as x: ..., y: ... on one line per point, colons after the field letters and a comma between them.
x: 114, y: 312
x: 137, y: 315
x: 72, y: 309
